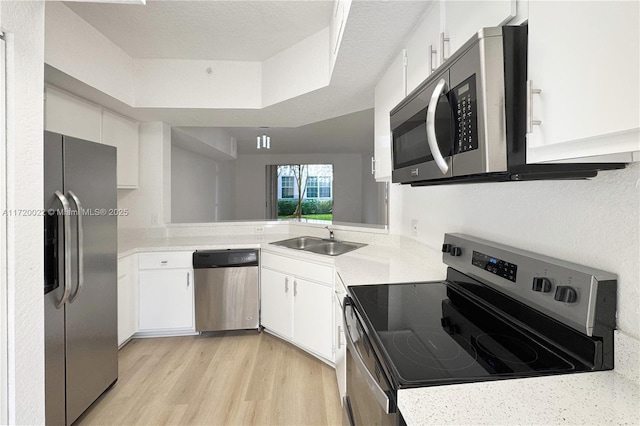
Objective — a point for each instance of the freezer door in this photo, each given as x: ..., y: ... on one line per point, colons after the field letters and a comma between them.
x: 54, y: 279
x: 91, y: 312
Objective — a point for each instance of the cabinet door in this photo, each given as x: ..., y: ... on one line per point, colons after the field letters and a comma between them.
x: 422, y: 48
x: 312, y: 317
x: 388, y: 93
x: 584, y: 57
x: 123, y: 134
x: 462, y: 19
x: 340, y: 359
x: 276, y: 302
x: 69, y: 115
x: 166, y: 299
x: 127, y: 299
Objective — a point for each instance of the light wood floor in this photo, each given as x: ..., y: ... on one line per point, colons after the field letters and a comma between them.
x: 234, y: 378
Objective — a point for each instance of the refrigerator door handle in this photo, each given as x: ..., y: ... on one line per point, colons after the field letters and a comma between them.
x: 67, y: 248
x: 80, y: 242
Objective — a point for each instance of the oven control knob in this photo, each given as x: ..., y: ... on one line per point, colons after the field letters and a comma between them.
x: 455, y: 251
x: 446, y: 248
x: 541, y: 284
x: 565, y: 294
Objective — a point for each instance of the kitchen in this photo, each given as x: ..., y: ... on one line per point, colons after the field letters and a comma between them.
x: 592, y: 222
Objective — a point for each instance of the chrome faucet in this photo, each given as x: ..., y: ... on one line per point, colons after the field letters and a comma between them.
x: 330, y: 232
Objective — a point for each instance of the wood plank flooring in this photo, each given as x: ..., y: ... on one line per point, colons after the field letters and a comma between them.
x: 233, y: 378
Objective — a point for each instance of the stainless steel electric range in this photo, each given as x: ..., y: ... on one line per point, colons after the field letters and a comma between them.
x: 501, y: 313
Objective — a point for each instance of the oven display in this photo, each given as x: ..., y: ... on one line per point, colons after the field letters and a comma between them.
x: 465, y: 109
x: 494, y: 265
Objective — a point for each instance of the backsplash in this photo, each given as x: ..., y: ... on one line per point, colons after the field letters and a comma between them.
x: 591, y: 222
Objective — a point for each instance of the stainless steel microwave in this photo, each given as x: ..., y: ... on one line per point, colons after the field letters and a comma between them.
x: 467, y: 121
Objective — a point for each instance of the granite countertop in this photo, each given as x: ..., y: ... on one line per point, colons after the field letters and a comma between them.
x: 603, y: 397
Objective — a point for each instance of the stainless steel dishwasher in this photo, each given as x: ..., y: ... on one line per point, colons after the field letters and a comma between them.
x: 227, y: 294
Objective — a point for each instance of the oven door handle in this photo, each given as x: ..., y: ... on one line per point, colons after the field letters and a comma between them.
x: 432, y: 140
x: 380, y: 395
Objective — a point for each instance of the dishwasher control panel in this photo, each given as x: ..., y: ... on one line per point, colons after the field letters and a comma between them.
x: 224, y: 258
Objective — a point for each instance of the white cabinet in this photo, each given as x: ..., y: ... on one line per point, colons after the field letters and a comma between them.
x: 313, y: 316
x: 165, y: 283
x: 388, y: 93
x: 127, y: 298
x: 422, y: 48
x: 340, y: 356
x: 461, y: 19
x: 584, y: 57
x: 122, y: 133
x: 70, y: 115
x: 276, y: 303
x: 296, y: 302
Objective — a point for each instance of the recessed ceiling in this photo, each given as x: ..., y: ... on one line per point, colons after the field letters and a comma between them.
x: 373, y: 36
x: 215, y: 30
x: 351, y: 133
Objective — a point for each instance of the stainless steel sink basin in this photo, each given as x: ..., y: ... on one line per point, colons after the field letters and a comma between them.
x: 319, y: 245
x: 299, y: 243
x: 334, y: 248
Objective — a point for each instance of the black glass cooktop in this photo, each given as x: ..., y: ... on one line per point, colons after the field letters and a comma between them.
x: 432, y: 333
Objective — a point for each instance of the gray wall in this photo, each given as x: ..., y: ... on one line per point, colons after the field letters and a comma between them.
x: 198, y: 184
x: 347, y: 183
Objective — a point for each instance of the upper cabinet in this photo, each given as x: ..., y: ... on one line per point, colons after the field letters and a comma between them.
x: 462, y: 19
x: 122, y: 133
x: 584, y: 61
x: 423, y: 48
x: 70, y: 115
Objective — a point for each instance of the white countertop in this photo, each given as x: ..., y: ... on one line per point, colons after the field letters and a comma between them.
x: 593, y: 398
x: 609, y: 397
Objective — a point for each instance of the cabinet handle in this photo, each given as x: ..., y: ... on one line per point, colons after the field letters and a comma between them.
x: 164, y: 262
x: 443, y: 40
x: 373, y: 165
x: 433, y: 57
x: 530, y: 92
x: 286, y: 284
x: 339, y: 339
x: 295, y: 287
x: 188, y: 276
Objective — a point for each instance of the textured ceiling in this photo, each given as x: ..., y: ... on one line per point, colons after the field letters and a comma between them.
x: 216, y: 30
x: 374, y: 34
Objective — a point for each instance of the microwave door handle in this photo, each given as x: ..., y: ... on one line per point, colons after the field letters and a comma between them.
x: 80, y: 246
x: 380, y: 395
x: 441, y: 87
x: 67, y: 248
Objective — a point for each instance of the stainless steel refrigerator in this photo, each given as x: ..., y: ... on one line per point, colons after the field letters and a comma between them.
x: 80, y: 283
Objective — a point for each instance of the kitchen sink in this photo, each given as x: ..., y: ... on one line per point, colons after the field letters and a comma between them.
x: 319, y: 245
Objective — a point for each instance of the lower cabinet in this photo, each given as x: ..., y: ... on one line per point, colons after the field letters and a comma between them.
x: 127, y: 298
x: 340, y: 357
x: 276, y: 303
x: 298, y: 307
x: 165, y: 283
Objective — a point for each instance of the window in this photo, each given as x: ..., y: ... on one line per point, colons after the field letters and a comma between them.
x: 319, y: 187
x: 287, y: 187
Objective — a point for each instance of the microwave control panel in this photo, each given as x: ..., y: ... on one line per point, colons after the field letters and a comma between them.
x: 465, y: 112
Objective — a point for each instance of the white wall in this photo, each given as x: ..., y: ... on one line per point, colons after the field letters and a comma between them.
x: 347, y: 183
x: 199, y: 185
x: 150, y: 205
x: 591, y: 222
x: 23, y: 24
x: 78, y: 49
